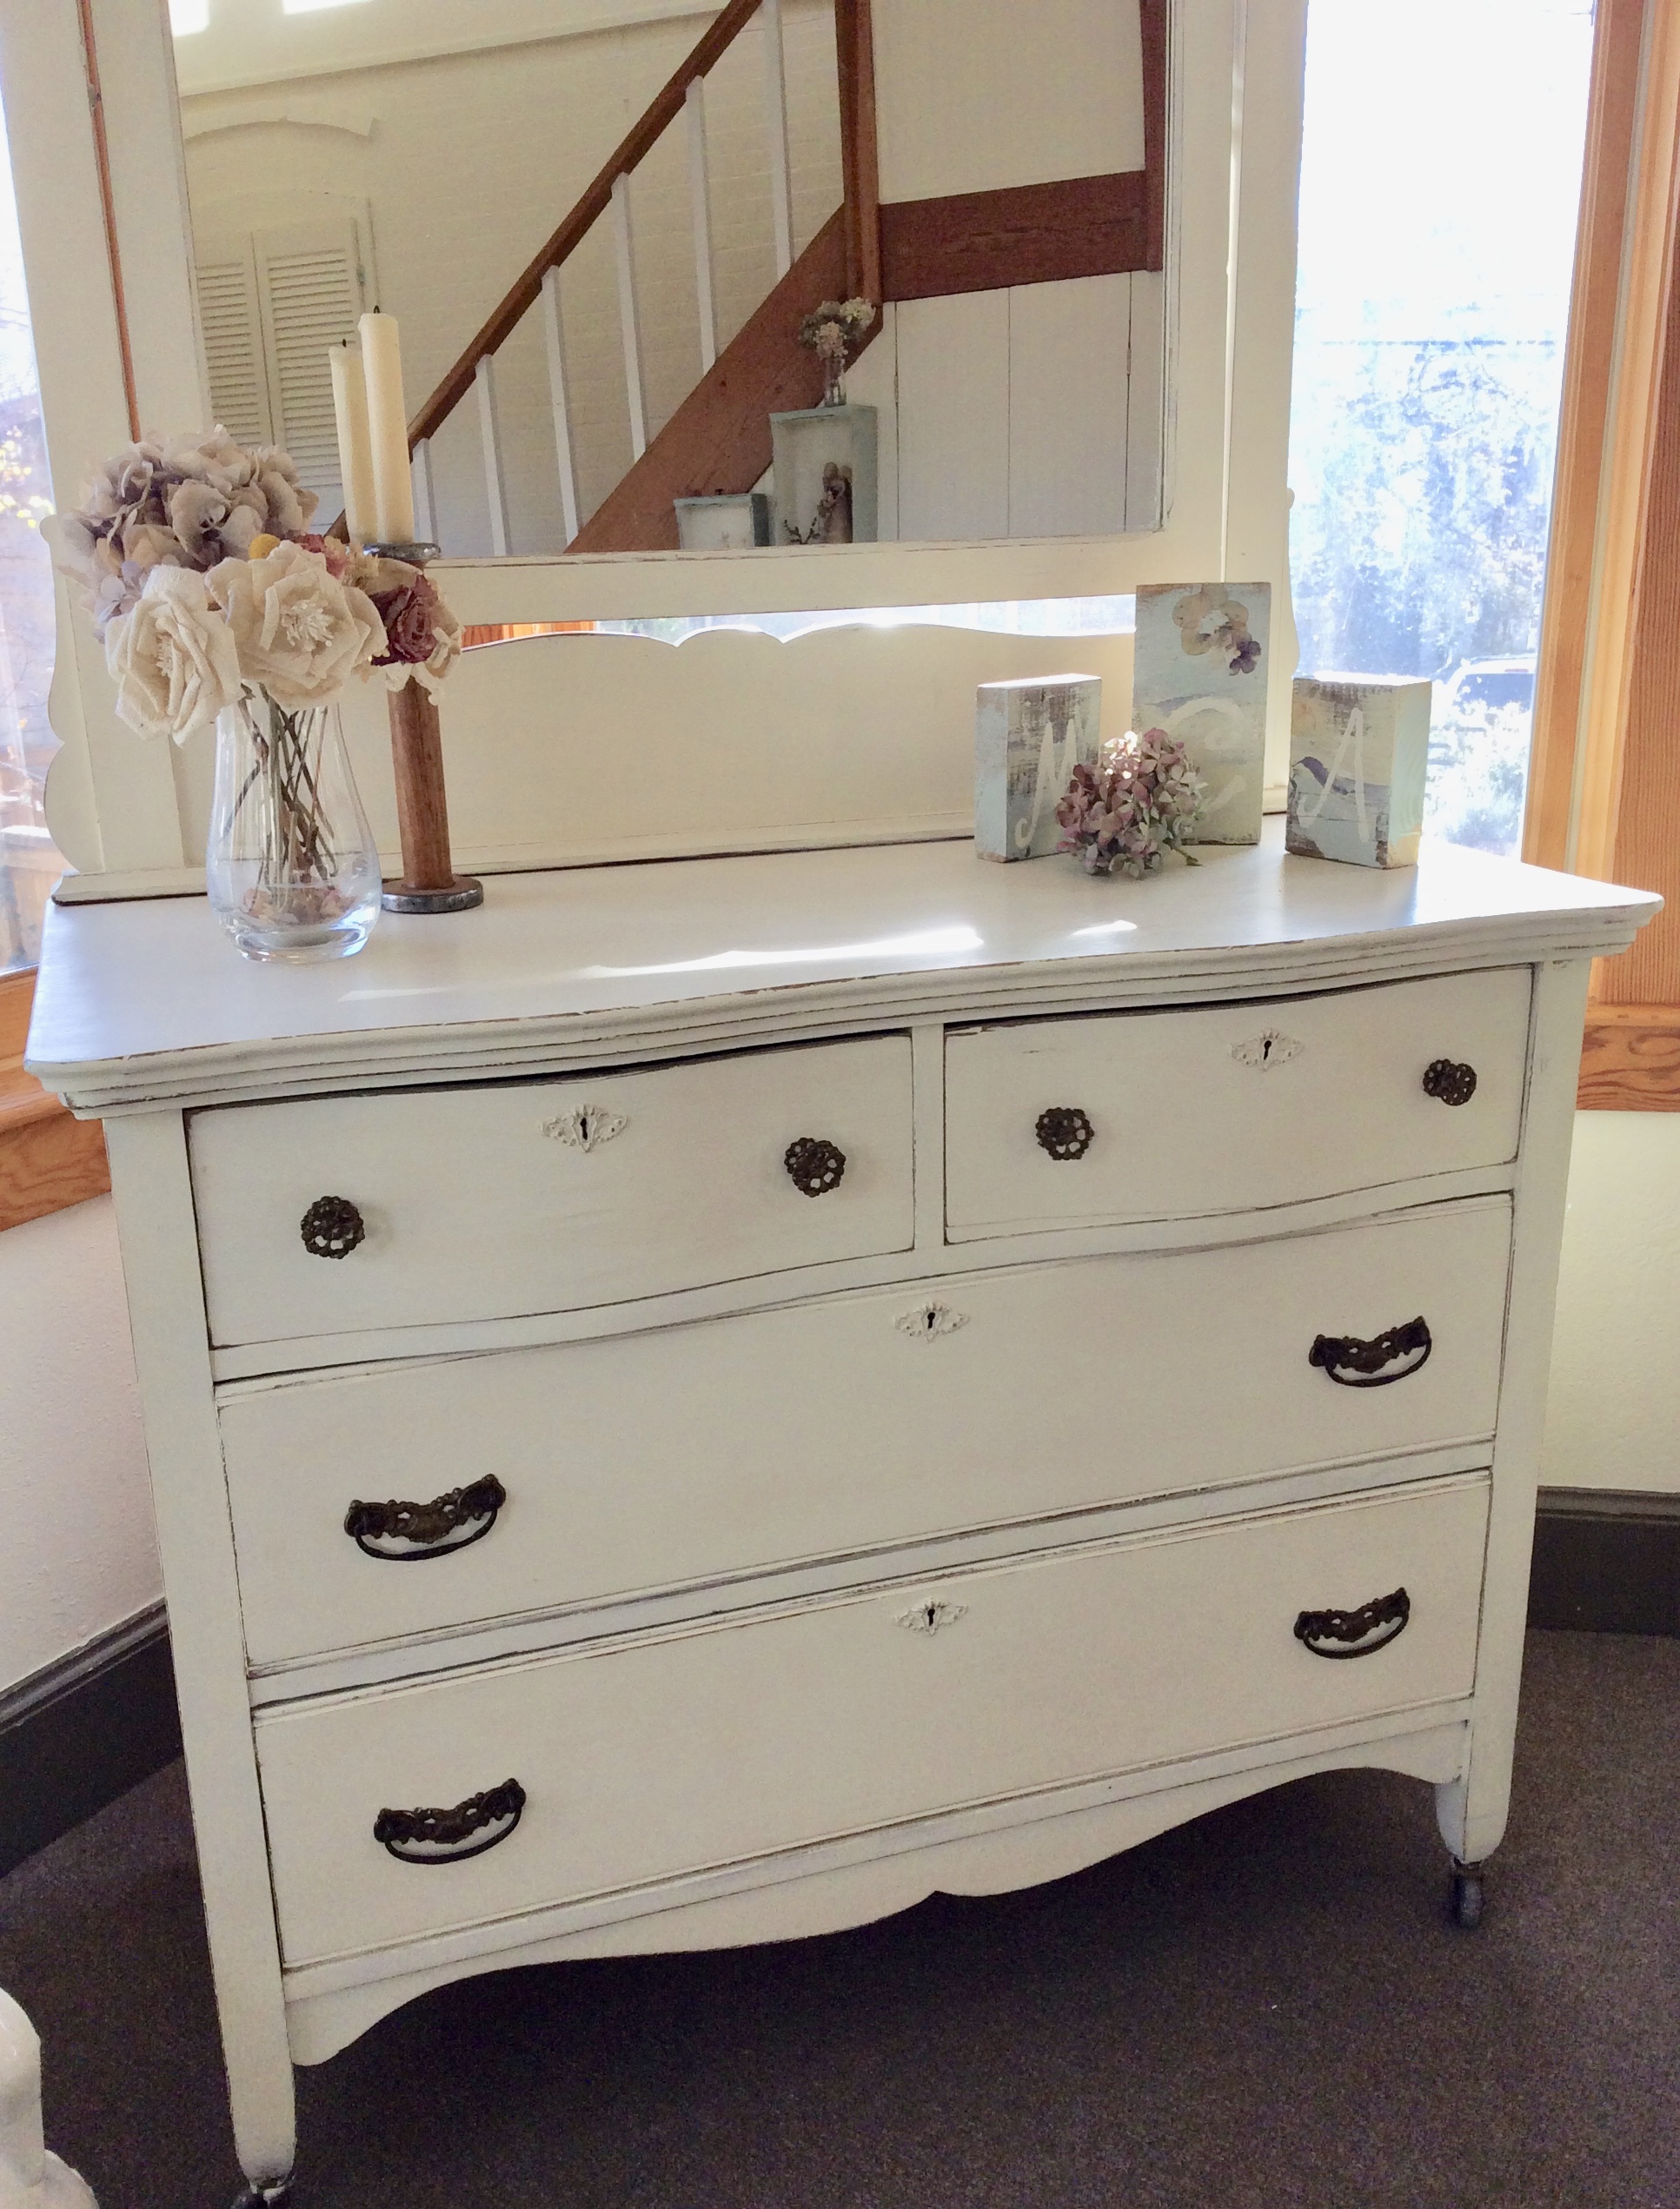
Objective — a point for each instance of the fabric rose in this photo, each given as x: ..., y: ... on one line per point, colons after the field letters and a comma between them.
x: 422, y: 637
x: 173, y: 657
x: 300, y: 633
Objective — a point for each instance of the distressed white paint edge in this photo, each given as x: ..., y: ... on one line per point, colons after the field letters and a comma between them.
x: 1472, y: 1811
x: 852, y: 1883
x: 155, y: 1220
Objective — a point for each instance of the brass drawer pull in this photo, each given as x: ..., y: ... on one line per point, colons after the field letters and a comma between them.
x: 332, y: 1227
x: 1355, y: 1634
x: 1364, y: 1361
x: 1449, y: 1079
x: 435, y: 1530
x: 1065, y: 1131
x: 814, y: 1166
x: 450, y: 1836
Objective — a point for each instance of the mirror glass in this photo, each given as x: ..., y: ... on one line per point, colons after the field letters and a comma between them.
x: 419, y: 155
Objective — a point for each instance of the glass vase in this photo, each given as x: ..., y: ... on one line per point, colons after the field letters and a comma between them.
x: 292, y: 868
x: 834, y: 379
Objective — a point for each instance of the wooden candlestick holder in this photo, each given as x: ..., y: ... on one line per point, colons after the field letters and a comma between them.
x: 429, y: 882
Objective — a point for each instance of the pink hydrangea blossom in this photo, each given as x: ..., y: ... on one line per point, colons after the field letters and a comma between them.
x: 1140, y: 802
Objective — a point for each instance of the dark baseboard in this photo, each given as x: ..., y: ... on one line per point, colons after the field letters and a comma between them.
x: 78, y: 1734
x: 1606, y: 1560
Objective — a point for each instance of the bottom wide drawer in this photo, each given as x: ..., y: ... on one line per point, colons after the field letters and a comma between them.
x: 391, y: 1815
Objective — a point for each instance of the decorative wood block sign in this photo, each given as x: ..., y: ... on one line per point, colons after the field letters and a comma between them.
x: 824, y: 463
x: 1358, y: 756
x: 1199, y: 673
x: 726, y: 523
x: 1028, y: 739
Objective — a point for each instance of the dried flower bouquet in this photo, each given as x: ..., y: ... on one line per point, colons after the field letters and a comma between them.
x: 217, y: 606
x: 1139, y: 803
x: 831, y: 330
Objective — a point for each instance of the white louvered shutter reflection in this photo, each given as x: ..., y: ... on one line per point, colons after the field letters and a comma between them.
x: 311, y: 287
x: 234, y: 352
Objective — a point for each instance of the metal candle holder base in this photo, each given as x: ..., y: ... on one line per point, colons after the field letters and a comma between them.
x: 462, y: 894
x: 429, y: 882
x: 417, y: 555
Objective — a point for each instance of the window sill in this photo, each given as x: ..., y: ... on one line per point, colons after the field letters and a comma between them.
x: 49, y: 1159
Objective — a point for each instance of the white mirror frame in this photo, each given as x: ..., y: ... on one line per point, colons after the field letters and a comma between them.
x: 115, y: 806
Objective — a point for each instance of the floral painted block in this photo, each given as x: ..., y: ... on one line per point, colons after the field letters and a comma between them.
x: 1200, y: 674
x: 1028, y: 739
x: 1359, y: 757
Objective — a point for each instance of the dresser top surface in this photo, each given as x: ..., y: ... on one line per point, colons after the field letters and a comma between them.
x: 145, y: 1002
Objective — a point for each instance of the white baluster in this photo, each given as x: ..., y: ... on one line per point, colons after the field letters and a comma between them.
x: 629, y: 320
x: 693, y: 101
x: 29, y: 2177
x: 776, y: 99
x: 425, y: 493
x: 496, y: 489
x: 554, y: 340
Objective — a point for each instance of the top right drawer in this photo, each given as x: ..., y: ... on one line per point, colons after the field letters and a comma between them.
x: 1226, y: 1108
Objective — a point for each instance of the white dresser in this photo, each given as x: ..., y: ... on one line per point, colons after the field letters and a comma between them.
x: 709, y: 1399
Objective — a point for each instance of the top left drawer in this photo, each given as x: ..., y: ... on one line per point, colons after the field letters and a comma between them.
x: 483, y: 1203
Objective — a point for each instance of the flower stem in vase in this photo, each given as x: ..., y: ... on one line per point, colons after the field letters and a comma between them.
x: 292, y: 870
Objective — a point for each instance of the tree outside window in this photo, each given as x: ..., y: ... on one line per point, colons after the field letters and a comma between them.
x: 1439, y: 185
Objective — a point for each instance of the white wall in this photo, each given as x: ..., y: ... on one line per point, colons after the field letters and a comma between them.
x: 78, y: 1554
x: 1613, y: 1415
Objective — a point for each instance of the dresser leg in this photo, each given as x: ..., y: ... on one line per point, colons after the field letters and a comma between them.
x: 1467, y: 1897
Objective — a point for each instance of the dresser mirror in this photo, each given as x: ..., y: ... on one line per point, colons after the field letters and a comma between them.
x: 1013, y: 202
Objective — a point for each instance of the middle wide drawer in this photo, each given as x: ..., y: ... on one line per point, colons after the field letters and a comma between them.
x: 735, y: 1445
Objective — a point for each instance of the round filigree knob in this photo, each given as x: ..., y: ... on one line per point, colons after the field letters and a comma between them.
x: 1450, y: 1081
x: 813, y: 1166
x: 1065, y: 1131
x: 332, y: 1227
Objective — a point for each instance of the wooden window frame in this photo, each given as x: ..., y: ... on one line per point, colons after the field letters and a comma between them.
x: 1604, y: 780
x: 49, y: 1159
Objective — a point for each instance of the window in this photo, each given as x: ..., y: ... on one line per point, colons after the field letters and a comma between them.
x: 1440, y: 184
x: 29, y: 865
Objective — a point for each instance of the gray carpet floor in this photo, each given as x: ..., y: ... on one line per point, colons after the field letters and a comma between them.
x: 1264, y: 2009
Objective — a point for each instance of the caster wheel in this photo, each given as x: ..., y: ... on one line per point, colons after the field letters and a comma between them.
x: 1469, y: 1897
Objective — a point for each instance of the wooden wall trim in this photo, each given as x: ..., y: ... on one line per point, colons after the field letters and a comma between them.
x: 854, y: 46
x: 1631, y: 1059
x: 1631, y: 455
x: 1153, y: 15
x: 1029, y: 234
x: 1583, y: 428
x: 49, y: 1159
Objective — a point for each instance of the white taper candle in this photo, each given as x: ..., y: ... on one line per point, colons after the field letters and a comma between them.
x: 388, y: 426
x: 355, y: 458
